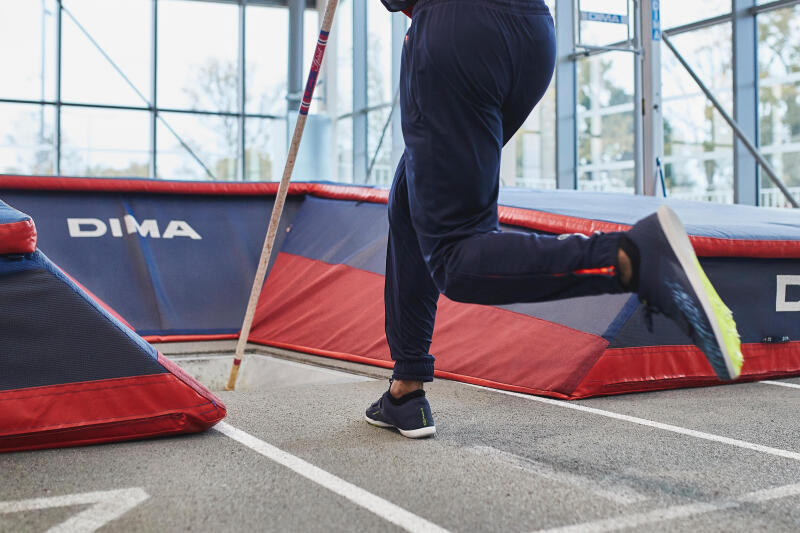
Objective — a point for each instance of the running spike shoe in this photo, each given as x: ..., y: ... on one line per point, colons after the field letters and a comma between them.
x: 411, y: 414
x: 671, y: 281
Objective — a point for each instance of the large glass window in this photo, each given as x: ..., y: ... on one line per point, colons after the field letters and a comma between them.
x: 380, y: 95
x: 698, y: 143
x: 679, y: 13
x: 779, y: 100
x: 104, y: 142
x: 27, y: 41
x: 267, y: 38
x: 196, y: 146
x: 535, y: 147
x: 197, y: 61
x: 599, y: 33
x: 341, y: 105
x: 27, y: 64
x: 605, y: 123
x: 266, y: 149
x: 27, y: 136
x: 221, y: 97
x: 99, y: 37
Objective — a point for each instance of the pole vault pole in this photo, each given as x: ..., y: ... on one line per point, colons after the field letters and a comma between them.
x: 283, y: 189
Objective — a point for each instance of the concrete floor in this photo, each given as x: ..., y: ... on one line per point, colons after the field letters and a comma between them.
x: 299, y: 457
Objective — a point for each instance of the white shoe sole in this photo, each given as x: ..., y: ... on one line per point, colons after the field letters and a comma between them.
x: 410, y: 433
x: 682, y: 246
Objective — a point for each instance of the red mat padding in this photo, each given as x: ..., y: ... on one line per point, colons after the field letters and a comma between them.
x: 106, y: 411
x: 337, y: 311
x: 18, y: 237
x: 648, y: 368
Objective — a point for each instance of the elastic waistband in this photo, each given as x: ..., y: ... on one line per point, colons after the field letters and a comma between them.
x: 519, y: 6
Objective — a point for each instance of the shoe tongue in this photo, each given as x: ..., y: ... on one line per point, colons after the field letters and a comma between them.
x: 407, y: 397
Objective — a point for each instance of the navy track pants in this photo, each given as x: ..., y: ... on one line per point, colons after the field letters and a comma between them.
x: 472, y: 71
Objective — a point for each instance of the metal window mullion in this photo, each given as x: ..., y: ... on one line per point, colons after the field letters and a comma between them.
x: 771, y: 6
x: 638, y: 103
x: 652, y: 114
x: 745, y: 100
x: 331, y: 88
x: 153, y: 88
x: 57, y: 166
x: 399, y: 28
x: 295, y: 77
x: 360, y: 91
x: 566, y: 97
x: 698, y: 25
x: 295, y: 73
x: 241, y: 169
x: 148, y: 107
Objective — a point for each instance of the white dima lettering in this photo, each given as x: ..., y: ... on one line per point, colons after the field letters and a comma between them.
x: 77, y: 228
x: 782, y: 304
x: 116, y: 227
x: 147, y: 228
x: 94, y: 227
x: 180, y: 228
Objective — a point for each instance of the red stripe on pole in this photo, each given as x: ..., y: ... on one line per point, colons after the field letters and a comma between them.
x: 316, y: 64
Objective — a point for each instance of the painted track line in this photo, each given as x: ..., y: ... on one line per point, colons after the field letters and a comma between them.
x: 676, y: 512
x: 786, y: 454
x: 375, y: 504
x: 105, y: 506
x: 781, y: 384
x: 615, y: 492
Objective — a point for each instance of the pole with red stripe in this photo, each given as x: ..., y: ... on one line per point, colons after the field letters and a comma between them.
x: 280, y: 198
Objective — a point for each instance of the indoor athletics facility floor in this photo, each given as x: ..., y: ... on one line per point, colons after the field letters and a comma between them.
x: 295, y: 454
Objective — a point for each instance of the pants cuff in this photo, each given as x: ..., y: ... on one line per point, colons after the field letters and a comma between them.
x: 418, y: 370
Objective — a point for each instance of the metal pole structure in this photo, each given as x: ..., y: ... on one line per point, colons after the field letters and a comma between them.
x: 399, y: 28
x: 638, y: 106
x: 57, y: 166
x: 652, y: 115
x: 154, y: 90
x: 332, y: 98
x: 745, y: 100
x: 240, y: 167
x: 732, y: 123
x: 295, y: 85
x: 42, y: 66
x: 566, y: 99
x: 283, y: 189
x: 386, y: 125
x: 360, y: 97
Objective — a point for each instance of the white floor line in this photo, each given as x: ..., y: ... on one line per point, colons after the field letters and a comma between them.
x: 106, y: 506
x: 787, y: 454
x: 781, y: 384
x: 615, y: 492
x: 675, y: 512
x: 375, y: 504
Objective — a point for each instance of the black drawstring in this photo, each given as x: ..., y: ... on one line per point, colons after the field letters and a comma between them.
x: 649, y: 311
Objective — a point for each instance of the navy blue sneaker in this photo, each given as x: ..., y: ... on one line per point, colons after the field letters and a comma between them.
x: 671, y: 281
x: 411, y: 414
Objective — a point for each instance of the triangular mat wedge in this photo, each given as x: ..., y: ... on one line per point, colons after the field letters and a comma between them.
x: 71, y: 373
